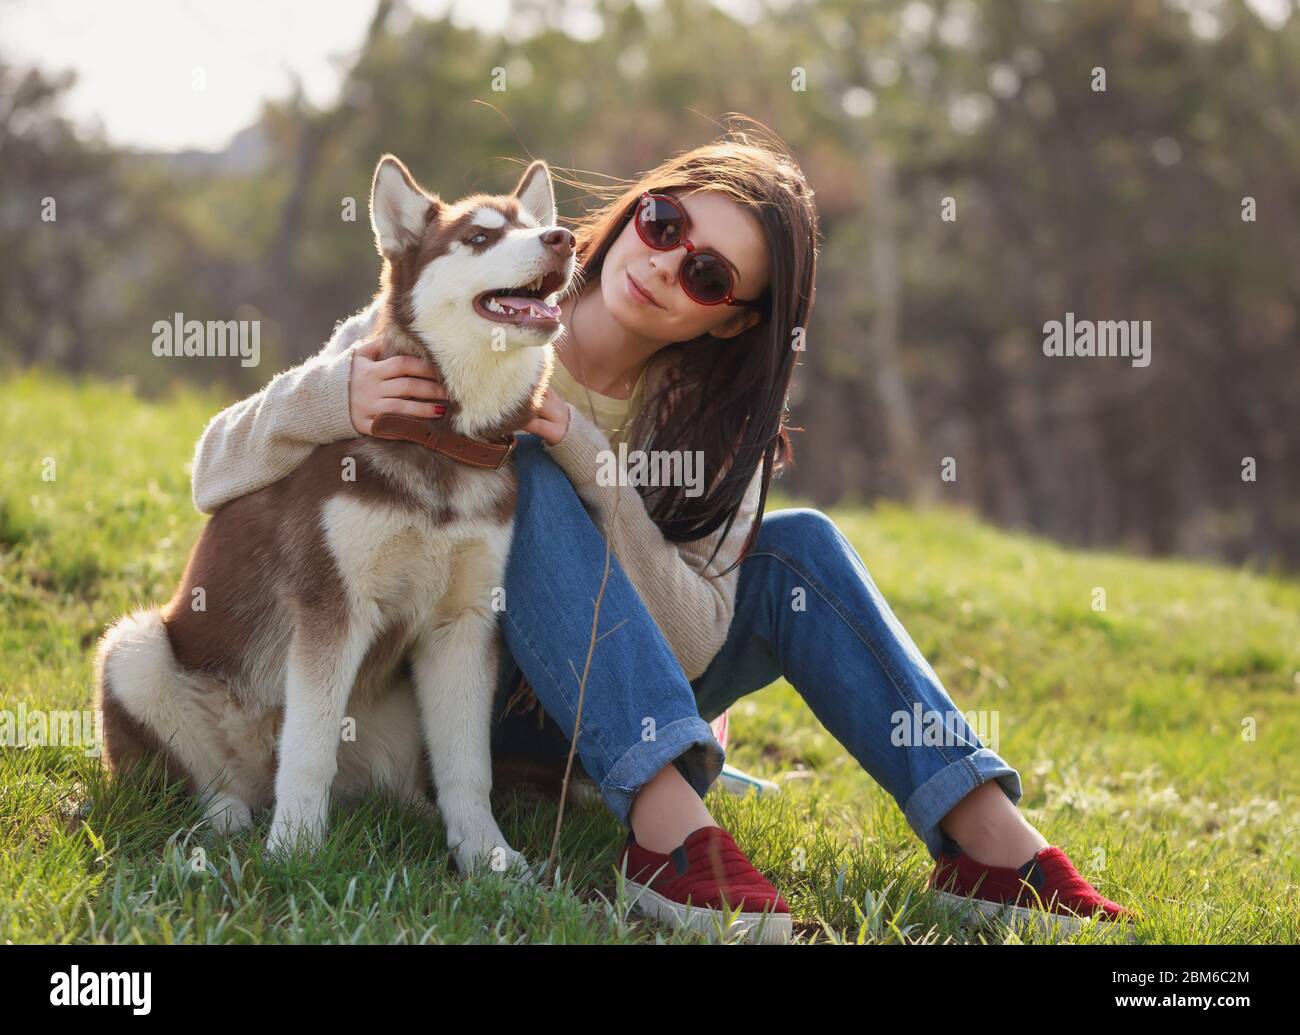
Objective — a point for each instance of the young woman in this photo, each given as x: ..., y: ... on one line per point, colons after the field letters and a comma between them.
x: 695, y: 281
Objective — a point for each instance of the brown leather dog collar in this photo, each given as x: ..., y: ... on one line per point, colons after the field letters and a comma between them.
x: 438, y: 436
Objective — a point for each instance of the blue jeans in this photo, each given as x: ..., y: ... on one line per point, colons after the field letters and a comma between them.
x: 806, y: 610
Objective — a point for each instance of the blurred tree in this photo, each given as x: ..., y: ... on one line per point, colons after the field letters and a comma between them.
x: 926, y: 344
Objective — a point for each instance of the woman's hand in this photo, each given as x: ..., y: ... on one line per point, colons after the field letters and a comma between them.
x: 394, y: 385
x: 550, y: 420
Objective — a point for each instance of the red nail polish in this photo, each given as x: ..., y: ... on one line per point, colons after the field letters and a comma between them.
x: 438, y: 411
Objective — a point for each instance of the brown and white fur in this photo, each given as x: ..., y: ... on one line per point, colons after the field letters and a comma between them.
x: 361, y: 586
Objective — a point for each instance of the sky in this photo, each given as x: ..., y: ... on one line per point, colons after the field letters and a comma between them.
x: 168, y: 75
x: 175, y: 74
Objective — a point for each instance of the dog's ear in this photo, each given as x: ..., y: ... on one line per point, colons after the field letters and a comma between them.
x: 536, y: 194
x: 399, y: 207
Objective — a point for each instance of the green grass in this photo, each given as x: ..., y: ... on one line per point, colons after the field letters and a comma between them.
x: 1126, y: 726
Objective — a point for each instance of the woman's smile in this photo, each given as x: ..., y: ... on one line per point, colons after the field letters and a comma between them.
x: 639, y: 293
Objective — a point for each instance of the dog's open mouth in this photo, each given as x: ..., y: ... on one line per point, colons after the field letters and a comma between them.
x: 525, y: 304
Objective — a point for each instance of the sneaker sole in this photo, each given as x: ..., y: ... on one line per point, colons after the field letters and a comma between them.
x: 765, y: 928
x: 1044, y: 920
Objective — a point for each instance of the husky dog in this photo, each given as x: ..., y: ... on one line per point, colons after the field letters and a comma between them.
x: 335, y: 631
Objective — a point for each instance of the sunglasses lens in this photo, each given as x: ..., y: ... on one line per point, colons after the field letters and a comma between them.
x: 660, y: 223
x: 706, y: 278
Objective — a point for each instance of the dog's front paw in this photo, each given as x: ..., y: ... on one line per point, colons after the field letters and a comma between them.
x: 291, y: 834
x: 485, y: 850
x: 228, y: 814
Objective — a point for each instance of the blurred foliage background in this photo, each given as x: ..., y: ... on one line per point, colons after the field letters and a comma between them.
x: 926, y: 340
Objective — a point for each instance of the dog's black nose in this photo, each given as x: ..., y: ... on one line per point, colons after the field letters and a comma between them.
x: 560, y: 240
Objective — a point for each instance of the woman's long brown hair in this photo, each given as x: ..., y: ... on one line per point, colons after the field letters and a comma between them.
x: 727, y: 397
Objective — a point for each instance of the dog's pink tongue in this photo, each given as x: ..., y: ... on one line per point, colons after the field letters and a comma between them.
x: 535, y: 305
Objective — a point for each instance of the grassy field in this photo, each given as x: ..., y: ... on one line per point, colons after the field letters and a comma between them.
x: 1157, y: 740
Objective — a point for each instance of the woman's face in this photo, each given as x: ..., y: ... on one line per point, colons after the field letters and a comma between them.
x: 717, y: 222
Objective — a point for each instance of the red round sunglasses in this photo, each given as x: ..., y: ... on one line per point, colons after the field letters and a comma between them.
x: 705, y: 276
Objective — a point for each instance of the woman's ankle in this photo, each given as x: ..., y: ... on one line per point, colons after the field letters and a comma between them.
x: 991, y: 830
x: 1011, y: 853
x: 1000, y: 844
x: 667, y: 810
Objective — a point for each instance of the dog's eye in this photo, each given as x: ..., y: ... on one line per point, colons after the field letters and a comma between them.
x: 478, y: 238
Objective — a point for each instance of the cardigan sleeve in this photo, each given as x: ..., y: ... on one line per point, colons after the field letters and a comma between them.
x: 261, y: 439
x: 691, y: 604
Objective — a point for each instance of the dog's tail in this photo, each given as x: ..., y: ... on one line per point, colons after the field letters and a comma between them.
x: 137, y: 680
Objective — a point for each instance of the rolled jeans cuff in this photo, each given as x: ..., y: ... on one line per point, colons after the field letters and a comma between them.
x: 688, y: 742
x: 935, y: 798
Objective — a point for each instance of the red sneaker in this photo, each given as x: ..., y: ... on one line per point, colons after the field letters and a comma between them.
x: 1047, y: 890
x: 691, y: 885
